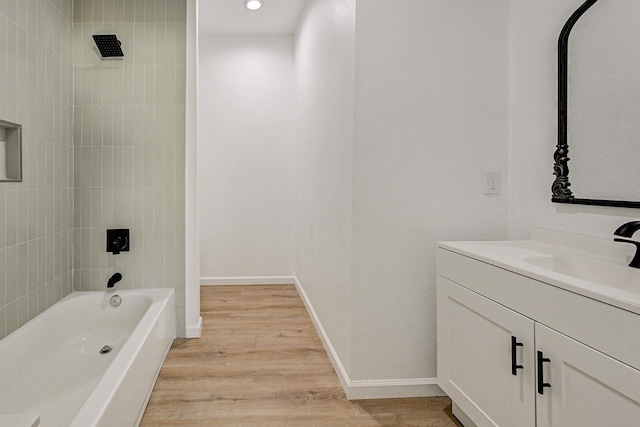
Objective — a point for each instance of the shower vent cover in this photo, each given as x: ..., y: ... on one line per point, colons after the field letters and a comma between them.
x: 108, y: 45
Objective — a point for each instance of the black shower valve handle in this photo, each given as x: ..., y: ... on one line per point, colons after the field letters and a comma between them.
x: 118, y: 241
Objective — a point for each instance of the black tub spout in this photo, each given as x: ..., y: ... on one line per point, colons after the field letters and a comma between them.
x: 113, y: 280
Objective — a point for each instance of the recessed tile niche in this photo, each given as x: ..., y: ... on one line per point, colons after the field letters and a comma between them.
x: 10, y: 152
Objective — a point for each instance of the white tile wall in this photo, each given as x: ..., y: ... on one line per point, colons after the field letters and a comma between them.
x: 129, y: 143
x: 103, y: 147
x: 36, y: 88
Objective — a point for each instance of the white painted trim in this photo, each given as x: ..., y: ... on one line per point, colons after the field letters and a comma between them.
x: 191, y: 233
x: 369, y: 389
x: 385, y: 389
x: 248, y: 280
x: 461, y: 416
x: 194, y: 331
x: 326, y: 342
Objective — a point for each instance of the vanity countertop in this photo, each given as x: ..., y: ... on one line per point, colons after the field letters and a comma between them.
x: 592, y: 267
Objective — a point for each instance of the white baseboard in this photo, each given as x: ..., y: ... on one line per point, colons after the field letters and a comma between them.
x: 461, y: 416
x: 387, y: 389
x: 369, y: 389
x: 248, y: 280
x: 326, y: 342
x: 194, y: 331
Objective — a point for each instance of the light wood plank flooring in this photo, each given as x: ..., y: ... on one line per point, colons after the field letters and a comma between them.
x: 260, y: 362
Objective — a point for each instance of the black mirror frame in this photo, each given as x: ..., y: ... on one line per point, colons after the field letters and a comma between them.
x: 560, y: 188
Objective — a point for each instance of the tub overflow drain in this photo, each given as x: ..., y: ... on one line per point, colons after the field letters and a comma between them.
x: 106, y: 349
x: 115, y: 301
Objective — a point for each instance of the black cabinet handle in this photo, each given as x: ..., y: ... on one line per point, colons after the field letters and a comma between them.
x: 541, y: 383
x: 514, y: 363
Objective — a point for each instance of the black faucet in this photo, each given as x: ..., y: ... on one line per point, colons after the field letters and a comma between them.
x: 113, y: 280
x: 627, y: 230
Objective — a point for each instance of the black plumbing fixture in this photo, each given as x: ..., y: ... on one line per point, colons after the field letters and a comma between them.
x: 108, y: 45
x: 118, y: 241
x: 113, y: 280
x: 627, y: 230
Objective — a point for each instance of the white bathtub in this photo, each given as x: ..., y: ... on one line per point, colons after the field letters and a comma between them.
x: 52, y: 366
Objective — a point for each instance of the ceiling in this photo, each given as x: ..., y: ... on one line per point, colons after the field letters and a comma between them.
x: 230, y: 17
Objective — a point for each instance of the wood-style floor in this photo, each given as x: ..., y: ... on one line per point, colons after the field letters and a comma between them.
x: 259, y: 362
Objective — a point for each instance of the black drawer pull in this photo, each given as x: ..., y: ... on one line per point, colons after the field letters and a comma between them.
x: 541, y: 383
x: 514, y: 359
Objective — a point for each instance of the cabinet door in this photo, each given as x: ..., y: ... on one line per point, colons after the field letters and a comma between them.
x: 475, y: 357
x: 587, y: 388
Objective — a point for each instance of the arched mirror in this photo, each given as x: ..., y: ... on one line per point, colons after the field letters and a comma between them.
x: 599, y: 106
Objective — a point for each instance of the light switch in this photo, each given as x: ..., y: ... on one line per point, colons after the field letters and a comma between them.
x: 492, y: 182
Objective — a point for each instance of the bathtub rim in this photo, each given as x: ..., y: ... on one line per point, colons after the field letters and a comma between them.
x: 160, y: 313
x: 97, y: 403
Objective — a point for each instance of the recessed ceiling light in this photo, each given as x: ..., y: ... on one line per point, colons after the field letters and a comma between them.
x: 253, y: 4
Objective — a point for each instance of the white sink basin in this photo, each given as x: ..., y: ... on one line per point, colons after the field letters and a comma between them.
x: 619, y: 277
x: 589, y: 266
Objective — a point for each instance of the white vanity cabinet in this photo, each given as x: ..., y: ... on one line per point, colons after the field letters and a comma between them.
x: 588, y: 388
x: 479, y: 365
x: 503, y: 337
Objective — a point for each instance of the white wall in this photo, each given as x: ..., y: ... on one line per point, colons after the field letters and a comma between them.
x: 398, y: 117
x: 394, y: 137
x: 431, y: 117
x: 324, y: 142
x: 245, y: 156
x: 533, y: 33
